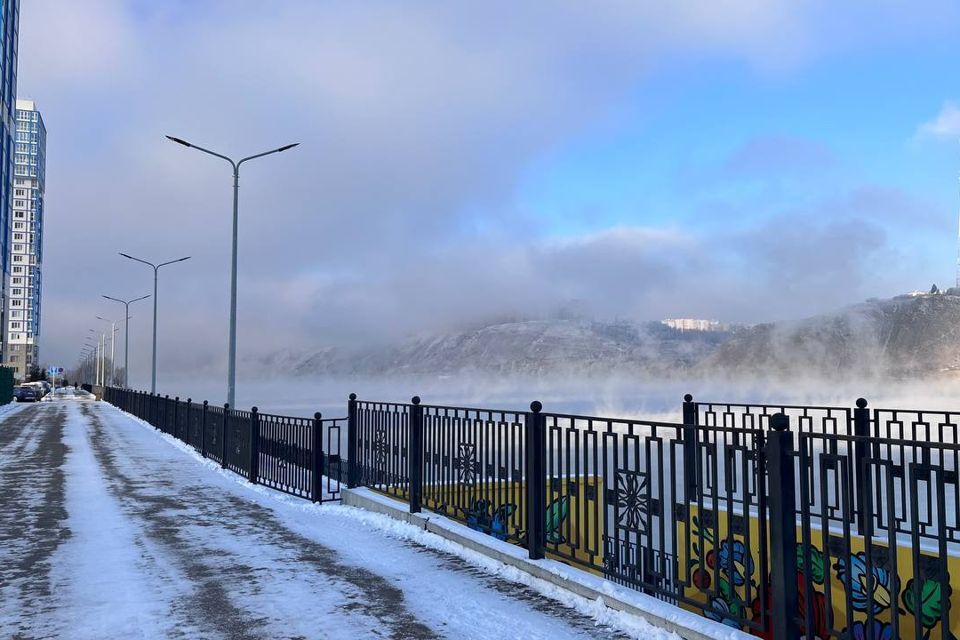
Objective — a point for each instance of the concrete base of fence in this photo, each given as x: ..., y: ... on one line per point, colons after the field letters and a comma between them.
x: 684, y: 623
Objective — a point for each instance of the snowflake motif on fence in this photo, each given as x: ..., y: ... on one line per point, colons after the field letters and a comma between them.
x: 633, y: 500
x: 466, y: 462
x: 380, y: 446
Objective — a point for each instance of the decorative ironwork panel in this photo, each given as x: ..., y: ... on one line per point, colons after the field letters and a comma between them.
x: 382, y: 448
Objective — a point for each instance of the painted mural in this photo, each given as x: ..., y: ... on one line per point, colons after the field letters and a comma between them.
x: 725, y: 577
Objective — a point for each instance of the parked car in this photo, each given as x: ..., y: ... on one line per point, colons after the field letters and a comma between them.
x: 26, y: 393
x: 38, y: 388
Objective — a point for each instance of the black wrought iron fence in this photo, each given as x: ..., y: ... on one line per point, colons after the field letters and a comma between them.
x: 784, y: 521
x: 300, y: 456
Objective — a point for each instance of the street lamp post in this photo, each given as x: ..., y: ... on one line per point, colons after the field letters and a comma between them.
x: 113, y: 344
x: 156, y: 269
x: 126, y: 335
x: 97, y: 363
x: 232, y: 349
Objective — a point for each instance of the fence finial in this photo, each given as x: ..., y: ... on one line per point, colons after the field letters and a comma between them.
x: 779, y: 422
x: 862, y: 403
x: 353, y: 396
x: 536, y: 407
x: 416, y: 400
x: 688, y: 398
x: 317, y: 416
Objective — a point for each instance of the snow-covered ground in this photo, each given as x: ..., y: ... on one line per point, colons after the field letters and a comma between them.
x: 108, y: 530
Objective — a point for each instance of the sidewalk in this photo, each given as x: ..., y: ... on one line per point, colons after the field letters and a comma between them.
x: 109, y: 530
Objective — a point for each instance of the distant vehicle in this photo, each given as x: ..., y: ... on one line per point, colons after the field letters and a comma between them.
x: 38, y: 388
x: 26, y: 393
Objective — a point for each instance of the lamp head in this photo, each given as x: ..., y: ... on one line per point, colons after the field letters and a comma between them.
x: 179, y: 141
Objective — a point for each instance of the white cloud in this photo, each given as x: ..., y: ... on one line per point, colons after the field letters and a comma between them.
x: 946, y: 124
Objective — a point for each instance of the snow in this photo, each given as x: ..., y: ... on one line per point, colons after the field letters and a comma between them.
x: 156, y: 542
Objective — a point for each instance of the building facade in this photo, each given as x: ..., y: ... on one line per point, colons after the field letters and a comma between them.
x: 9, y: 34
x: 694, y: 324
x: 22, y: 348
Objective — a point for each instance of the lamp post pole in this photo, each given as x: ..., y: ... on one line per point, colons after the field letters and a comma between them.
x: 156, y: 269
x: 126, y: 336
x: 113, y: 345
x: 232, y: 347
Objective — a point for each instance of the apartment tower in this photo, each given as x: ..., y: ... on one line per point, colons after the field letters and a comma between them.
x: 22, y: 351
x: 9, y: 33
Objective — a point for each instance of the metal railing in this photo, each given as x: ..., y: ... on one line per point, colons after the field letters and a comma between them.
x: 784, y: 521
x: 300, y: 456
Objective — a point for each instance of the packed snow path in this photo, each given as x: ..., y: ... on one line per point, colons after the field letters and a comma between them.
x: 108, y: 530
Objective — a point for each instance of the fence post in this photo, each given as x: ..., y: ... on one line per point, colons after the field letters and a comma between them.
x: 783, y: 529
x: 203, y: 429
x: 223, y: 436
x: 535, y: 437
x: 316, y: 463
x: 254, y: 445
x: 861, y: 478
x: 186, y: 423
x: 166, y: 413
x: 416, y: 455
x: 353, y: 461
x: 690, y: 437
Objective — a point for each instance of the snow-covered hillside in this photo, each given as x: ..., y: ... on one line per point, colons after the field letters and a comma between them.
x: 913, y: 335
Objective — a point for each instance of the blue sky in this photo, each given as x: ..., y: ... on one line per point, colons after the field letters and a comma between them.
x: 835, y: 124
x: 748, y: 161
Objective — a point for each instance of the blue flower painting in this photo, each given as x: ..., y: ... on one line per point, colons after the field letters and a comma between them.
x: 875, y: 596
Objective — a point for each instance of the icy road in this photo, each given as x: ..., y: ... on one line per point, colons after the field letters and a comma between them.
x: 109, y: 530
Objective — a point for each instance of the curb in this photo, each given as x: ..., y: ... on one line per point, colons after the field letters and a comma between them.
x: 685, y: 624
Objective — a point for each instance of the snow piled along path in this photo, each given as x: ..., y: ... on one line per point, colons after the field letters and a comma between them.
x: 110, y: 531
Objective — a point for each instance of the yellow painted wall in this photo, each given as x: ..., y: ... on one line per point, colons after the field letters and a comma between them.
x: 706, y: 566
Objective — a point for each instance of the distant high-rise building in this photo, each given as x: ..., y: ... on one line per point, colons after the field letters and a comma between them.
x: 694, y: 324
x: 22, y: 327
x: 9, y: 32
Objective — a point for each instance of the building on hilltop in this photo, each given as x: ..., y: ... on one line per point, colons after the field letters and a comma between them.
x: 22, y: 326
x: 9, y: 34
x: 693, y: 324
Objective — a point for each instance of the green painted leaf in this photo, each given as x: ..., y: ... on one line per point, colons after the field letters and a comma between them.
x: 728, y: 594
x: 817, y: 572
x: 928, y: 608
x: 557, y: 512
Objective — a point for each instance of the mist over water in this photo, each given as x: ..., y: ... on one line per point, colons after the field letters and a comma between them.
x: 606, y: 397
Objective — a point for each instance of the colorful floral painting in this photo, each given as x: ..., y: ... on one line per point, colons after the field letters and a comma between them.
x: 721, y: 571
x: 868, y: 590
x: 483, y: 517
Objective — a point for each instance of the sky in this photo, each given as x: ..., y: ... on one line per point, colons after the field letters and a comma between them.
x: 462, y: 163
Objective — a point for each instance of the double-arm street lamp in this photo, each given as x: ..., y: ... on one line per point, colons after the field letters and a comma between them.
x: 126, y: 335
x: 232, y: 355
x: 156, y: 269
